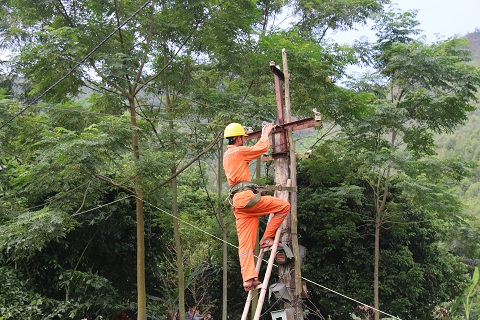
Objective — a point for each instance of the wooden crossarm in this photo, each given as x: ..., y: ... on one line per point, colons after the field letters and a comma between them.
x: 294, y: 125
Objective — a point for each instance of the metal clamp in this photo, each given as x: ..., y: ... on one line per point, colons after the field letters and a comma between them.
x: 277, y: 188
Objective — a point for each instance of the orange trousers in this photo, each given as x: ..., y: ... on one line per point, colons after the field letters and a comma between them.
x: 247, y: 220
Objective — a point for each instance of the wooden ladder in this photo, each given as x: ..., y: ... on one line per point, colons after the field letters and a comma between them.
x: 264, y: 286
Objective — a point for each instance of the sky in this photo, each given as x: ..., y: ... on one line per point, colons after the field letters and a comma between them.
x: 443, y: 18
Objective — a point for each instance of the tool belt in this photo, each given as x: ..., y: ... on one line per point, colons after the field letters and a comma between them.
x: 244, y: 186
x: 256, y: 189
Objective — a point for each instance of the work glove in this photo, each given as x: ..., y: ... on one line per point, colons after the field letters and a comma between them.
x: 265, y: 124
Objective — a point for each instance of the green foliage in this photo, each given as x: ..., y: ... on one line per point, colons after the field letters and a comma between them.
x: 318, y: 17
x: 420, y: 91
x: 336, y: 226
x: 393, y: 28
x: 185, y: 69
x: 462, y: 144
x: 467, y: 298
x: 19, y: 299
x: 26, y: 233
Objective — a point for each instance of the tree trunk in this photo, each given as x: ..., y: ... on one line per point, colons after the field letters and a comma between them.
x: 379, y: 209
x: 141, y: 290
x: 376, y: 301
x: 224, y: 230
x: 176, y: 229
x: 178, y: 249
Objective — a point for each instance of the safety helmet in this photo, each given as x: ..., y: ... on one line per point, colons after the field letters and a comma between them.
x: 234, y: 130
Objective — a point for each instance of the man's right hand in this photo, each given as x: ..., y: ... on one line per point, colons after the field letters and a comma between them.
x: 267, y: 129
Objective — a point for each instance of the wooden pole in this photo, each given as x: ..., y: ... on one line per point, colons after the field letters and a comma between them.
x: 296, y: 282
x: 284, y: 156
x: 281, y: 155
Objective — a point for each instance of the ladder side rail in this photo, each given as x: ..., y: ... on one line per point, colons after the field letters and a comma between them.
x: 268, y: 272
x: 257, y: 267
x: 250, y: 293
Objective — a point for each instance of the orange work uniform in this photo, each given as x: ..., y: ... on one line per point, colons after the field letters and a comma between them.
x: 235, y: 164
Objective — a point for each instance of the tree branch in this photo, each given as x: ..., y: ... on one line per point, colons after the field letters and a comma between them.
x: 171, y: 59
x: 113, y: 182
x: 210, y: 146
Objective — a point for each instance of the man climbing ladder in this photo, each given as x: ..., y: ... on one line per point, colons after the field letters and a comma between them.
x: 248, y: 204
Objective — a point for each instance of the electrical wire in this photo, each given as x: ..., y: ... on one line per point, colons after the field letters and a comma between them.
x: 349, y: 298
x: 183, y: 221
x: 78, y: 64
x: 128, y: 196
x: 101, y: 206
x: 316, y: 311
x: 232, y: 245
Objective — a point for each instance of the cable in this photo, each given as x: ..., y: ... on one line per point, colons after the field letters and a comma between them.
x: 232, y: 245
x: 186, y: 222
x: 101, y: 206
x: 122, y: 115
x: 347, y: 297
x: 271, y: 305
x: 316, y: 311
x: 77, y: 65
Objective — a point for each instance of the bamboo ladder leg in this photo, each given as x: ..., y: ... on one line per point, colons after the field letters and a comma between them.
x: 268, y: 272
x: 264, y: 285
x: 257, y: 267
x: 250, y: 293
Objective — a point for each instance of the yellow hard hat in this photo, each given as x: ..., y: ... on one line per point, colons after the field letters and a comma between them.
x: 234, y: 130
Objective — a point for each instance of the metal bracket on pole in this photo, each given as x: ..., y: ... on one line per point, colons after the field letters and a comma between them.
x: 294, y: 125
x: 277, y: 188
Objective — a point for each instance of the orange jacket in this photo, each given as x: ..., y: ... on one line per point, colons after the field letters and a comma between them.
x: 235, y: 164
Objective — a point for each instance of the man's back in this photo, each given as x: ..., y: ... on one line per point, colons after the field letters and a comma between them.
x: 237, y: 158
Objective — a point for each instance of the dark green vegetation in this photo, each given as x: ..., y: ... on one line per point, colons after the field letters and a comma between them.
x: 129, y: 139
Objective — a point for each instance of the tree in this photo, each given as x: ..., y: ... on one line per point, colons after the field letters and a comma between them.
x: 147, y: 43
x: 336, y: 221
x: 58, y: 217
x: 319, y: 17
x: 419, y: 90
x: 187, y: 58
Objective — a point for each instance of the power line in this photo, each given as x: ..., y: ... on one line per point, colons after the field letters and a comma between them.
x: 349, y: 298
x: 122, y: 115
x: 101, y: 206
x: 232, y: 245
x: 77, y: 65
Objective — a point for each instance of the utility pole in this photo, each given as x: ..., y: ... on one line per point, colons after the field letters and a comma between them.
x: 284, y: 156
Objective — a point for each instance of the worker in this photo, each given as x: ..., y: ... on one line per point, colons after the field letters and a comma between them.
x: 248, y: 205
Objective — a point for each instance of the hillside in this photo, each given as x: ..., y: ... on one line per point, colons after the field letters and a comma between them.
x: 465, y: 143
x: 474, y: 39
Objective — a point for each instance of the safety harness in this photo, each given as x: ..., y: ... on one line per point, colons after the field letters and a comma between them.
x: 256, y: 189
